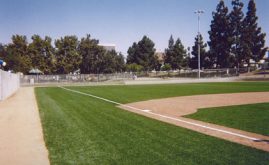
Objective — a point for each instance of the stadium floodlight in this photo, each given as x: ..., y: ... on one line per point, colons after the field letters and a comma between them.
x: 199, y: 12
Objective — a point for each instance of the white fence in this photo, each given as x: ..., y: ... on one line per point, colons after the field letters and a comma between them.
x: 9, y: 84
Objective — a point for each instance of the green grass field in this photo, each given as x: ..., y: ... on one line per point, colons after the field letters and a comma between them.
x: 83, y: 130
x: 128, y: 94
x: 251, y: 118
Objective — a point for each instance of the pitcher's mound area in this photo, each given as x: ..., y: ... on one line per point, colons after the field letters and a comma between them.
x: 171, y: 110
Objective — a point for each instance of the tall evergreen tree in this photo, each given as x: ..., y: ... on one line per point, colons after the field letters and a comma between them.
x: 133, y: 52
x: 168, y: 58
x: 180, y: 55
x: 204, y: 59
x: 175, y: 54
x: 236, y: 29
x: 220, y: 42
x: 252, y: 37
x: 143, y: 53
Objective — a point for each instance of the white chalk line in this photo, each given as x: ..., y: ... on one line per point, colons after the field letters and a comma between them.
x: 163, y: 116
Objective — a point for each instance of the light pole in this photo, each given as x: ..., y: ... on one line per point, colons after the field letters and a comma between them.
x: 199, y: 12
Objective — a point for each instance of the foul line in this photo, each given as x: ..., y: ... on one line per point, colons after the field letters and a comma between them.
x: 163, y: 116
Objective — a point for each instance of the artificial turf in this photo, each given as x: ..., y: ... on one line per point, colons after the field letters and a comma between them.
x: 83, y: 130
x: 251, y: 118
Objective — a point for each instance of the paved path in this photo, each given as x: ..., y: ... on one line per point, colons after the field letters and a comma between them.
x: 171, y: 110
x: 21, y: 137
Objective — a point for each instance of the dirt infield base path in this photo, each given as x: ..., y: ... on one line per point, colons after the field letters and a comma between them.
x: 21, y: 137
x: 171, y: 110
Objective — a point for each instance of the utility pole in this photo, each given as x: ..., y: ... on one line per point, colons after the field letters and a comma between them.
x: 199, y: 12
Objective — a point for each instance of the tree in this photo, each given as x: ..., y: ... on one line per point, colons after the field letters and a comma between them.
x: 95, y: 59
x: 134, y: 67
x: 90, y: 53
x: 252, y: 37
x: 3, y: 54
x: 169, y: 52
x: 42, y: 54
x: 204, y: 58
x: 180, y: 55
x: 120, y: 63
x: 236, y: 29
x: 220, y: 41
x: 143, y: 53
x: 166, y: 67
x: 17, y: 57
x: 175, y: 54
x: 112, y: 62
x: 133, y: 52
x: 68, y: 58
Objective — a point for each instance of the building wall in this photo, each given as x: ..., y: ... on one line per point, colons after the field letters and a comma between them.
x: 160, y: 57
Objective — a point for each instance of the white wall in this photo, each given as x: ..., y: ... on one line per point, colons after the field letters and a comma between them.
x: 9, y: 84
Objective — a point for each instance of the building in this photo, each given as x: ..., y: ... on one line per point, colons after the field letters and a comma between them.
x: 108, y: 47
x: 160, y: 57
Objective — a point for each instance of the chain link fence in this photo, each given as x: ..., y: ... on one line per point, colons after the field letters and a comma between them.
x: 95, y: 78
x: 206, y: 73
x: 71, y: 78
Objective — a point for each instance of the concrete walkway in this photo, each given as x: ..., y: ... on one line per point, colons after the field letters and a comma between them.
x: 21, y: 136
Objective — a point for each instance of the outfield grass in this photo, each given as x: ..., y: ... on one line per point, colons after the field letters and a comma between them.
x: 83, y: 130
x: 251, y: 118
x: 128, y: 94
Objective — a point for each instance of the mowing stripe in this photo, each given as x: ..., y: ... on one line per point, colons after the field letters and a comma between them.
x: 163, y: 116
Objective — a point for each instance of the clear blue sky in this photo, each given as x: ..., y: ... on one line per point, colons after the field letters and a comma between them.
x: 114, y: 21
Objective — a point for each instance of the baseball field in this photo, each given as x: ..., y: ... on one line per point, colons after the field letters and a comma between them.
x: 85, y: 125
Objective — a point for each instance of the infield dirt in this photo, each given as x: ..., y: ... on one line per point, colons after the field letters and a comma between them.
x: 177, y: 107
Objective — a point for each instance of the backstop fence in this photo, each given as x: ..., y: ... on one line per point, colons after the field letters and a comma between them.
x: 95, y: 78
x: 9, y: 84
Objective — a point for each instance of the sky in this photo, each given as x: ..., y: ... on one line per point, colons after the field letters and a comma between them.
x: 119, y: 22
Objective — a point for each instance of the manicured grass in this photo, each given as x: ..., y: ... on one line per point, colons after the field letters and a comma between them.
x: 83, y: 130
x: 127, y: 94
x: 251, y: 118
